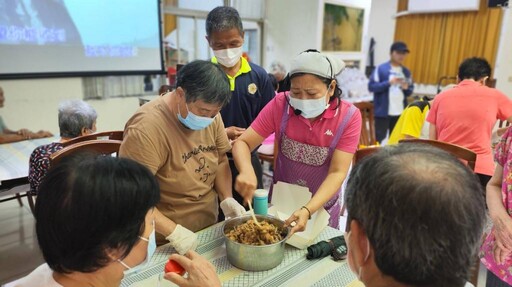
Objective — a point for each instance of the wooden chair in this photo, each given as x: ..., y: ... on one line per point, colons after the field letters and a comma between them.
x: 358, y: 156
x: 110, y: 135
x: 503, y: 124
x: 364, y: 152
x: 17, y: 189
x: 460, y: 152
x: 368, y: 124
x: 105, y: 147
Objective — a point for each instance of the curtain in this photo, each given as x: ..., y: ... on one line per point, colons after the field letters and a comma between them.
x: 439, y: 42
x: 112, y: 86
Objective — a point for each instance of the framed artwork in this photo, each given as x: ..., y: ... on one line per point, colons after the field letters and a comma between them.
x: 342, y: 28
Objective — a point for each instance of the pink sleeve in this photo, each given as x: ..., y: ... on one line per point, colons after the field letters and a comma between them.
x: 504, y: 106
x: 502, y: 148
x: 432, y: 114
x: 265, y: 122
x: 349, y: 141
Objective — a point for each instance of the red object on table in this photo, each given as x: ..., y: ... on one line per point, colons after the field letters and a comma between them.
x: 175, y: 267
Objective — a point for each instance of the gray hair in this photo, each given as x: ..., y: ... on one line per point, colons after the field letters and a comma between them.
x: 74, y: 115
x: 277, y: 67
x: 203, y: 80
x: 223, y: 18
x: 422, y: 211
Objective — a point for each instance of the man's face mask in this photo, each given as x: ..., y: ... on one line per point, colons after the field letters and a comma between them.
x: 228, y: 57
x: 193, y: 121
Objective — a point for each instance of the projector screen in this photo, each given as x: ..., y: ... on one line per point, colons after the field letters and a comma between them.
x: 40, y: 38
x: 440, y: 6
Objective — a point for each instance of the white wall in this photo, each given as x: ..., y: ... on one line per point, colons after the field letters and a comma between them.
x: 290, y: 27
x: 382, y: 27
x: 503, y: 66
x: 33, y: 104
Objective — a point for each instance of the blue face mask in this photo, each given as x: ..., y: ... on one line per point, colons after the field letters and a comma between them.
x: 194, y: 122
x: 151, y: 250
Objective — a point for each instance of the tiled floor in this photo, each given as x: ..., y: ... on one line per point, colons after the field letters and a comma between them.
x: 19, y: 252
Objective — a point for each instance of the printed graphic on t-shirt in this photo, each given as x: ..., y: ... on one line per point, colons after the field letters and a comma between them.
x: 202, y: 169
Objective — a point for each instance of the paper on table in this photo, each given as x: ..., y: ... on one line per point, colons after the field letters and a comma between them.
x: 286, y: 198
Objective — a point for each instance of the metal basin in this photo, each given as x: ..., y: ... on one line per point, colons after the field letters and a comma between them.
x: 252, y: 257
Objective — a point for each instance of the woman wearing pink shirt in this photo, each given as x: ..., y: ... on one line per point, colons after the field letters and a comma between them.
x: 316, y: 132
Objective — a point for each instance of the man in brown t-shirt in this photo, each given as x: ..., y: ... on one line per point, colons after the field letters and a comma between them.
x: 180, y: 137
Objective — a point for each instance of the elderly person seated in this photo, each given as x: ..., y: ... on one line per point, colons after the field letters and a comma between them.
x: 9, y: 136
x: 76, y: 118
x: 81, y: 247
x: 416, y: 221
x: 497, y: 248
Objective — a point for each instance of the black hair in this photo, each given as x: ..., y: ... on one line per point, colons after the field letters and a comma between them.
x: 223, y: 18
x: 422, y: 211
x: 90, y: 204
x: 164, y: 89
x: 273, y: 81
x: 474, y: 68
x: 203, y: 80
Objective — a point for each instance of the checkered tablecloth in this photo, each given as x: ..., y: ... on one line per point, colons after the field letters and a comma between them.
x: 295, y: 270
x: 14, y: 157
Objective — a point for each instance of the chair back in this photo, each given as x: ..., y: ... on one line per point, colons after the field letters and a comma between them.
x: 106, y: 147
x: 364, y: 152
x: 110, y: 135
x: 503, y: 124
x: 368, y: 124
x: 458, y: 151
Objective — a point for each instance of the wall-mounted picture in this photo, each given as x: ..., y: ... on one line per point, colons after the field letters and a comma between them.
x: 343, y: 28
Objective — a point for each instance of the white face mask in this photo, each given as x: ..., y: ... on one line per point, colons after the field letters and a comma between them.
x: 150, y: 251
x: 228, y: 57
x: 351, y: 261
x: 310, y: 108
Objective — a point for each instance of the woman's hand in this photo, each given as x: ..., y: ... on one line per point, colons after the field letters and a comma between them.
x: 245, y: 185
x: 200, y: 271
x: 500, y: 255
x: 24, y: 132
x: 300, y: 217
x: 503, y: 234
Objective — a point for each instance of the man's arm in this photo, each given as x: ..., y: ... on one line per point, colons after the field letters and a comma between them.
x: 19, y: 136
x: 432, y: 133
x: 376, y: 84
x: 10, y: 138
x: 135, y: 146
x: 223, y: 179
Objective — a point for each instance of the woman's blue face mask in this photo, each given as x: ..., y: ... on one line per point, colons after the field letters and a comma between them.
x: 193, y: 121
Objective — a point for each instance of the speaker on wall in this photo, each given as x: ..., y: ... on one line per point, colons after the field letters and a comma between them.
x: 497, y: 3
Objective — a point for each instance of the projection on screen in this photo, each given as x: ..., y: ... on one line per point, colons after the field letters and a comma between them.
x: 79, y: 37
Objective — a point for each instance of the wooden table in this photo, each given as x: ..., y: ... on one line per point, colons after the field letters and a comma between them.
x: 295, y: 270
